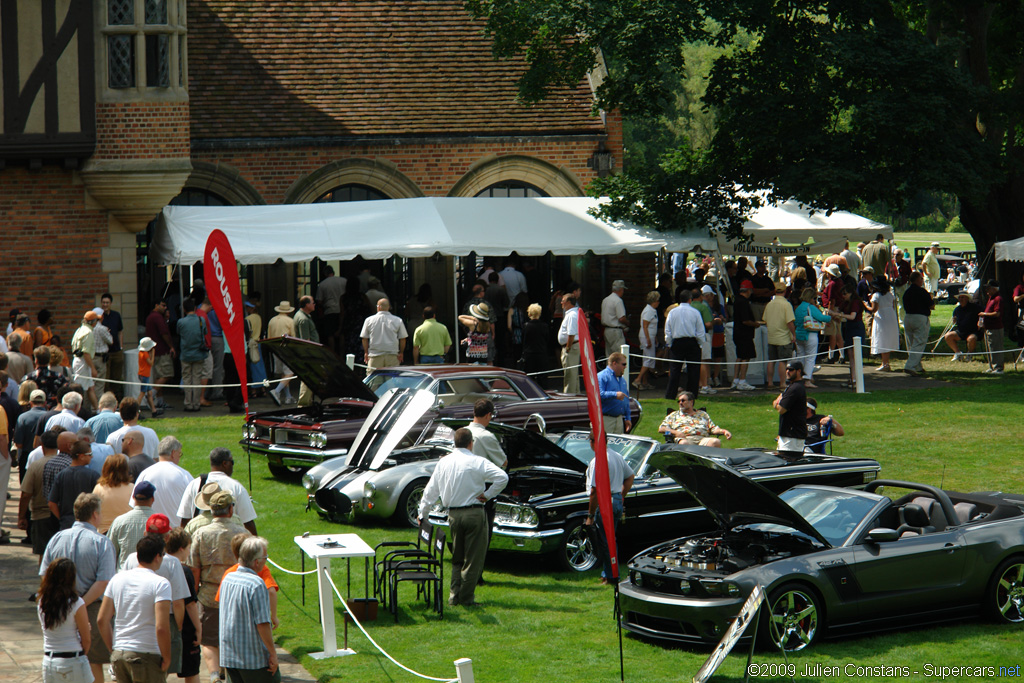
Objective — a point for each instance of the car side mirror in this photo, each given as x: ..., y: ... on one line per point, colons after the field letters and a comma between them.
x: 883, y: 535
x: 440, y: 404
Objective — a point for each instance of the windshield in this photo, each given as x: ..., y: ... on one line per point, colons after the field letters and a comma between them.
x: 632, y: 450
x: 833, y: 514
x: 381, y: 382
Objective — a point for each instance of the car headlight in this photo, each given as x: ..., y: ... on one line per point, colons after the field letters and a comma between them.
x: 247, y: 431
x: 317, y: 440
x: 684, y: 587
x: 369, y: 488
x: 309, y: 482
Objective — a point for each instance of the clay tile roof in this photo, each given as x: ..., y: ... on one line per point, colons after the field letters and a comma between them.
x: 287, y: 68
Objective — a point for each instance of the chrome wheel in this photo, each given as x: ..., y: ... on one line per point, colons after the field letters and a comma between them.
x: 408, y: 511
x: 1008, y: 592
x: 578, y: 553
x: 793, y: 618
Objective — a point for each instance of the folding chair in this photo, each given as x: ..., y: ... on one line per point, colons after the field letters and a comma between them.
x: 824, y: 444
x: 399, y: 551
x: 426, y: 572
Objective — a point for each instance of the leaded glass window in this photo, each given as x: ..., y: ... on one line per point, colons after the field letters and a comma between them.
x: 156, y: 11
x: 121, y: 61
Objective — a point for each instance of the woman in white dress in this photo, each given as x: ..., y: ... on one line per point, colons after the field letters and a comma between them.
x: 885, y: 333
x: 648, y: 339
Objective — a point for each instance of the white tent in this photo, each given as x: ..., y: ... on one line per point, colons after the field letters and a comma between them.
x: 1012, y: 250
x: 411, y: 228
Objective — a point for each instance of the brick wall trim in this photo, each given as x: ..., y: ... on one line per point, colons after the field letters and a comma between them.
x: 489, y: 170
x: 380, y: 174
x: 225, y: 181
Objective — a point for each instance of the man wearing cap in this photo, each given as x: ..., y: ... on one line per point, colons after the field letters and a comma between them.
x: 209, y: 557
x: 95, y: 565
x: 74, y: 479
x: 744, y: 325
x: 791, y: 406
x: 138, y: 602
x: 931, y: 268
x: 993, y: 322
x: 222, y: 465
x: 383, y: 336
x: 170, y: 479
x: 918, y: 304
x: 171, y: 569
x: 705, y: 301
x: 128, y: 529
x: 817, y: 425
x: 614, y: 318
x: 192, y: 341
x: 684, y: 335
x: 26, y: 427
x: 779, y: 320
x: 965, y: 327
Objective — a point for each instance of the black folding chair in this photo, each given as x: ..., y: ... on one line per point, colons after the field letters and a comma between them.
x: 425, y: 572
x: 396, y: 552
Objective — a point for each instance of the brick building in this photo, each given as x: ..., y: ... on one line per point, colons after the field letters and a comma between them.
x: 112, y: 109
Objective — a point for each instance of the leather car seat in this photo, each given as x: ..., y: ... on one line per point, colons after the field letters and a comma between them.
x: 966, y: 512
x: 915, y: 521
x: 932, y: 508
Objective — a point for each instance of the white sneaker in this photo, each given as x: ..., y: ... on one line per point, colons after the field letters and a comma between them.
x: 744, y: 386
x: 707, y: 391
x: 957, y: 357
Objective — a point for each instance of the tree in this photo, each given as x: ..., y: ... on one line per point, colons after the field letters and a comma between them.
x: 832, y: 102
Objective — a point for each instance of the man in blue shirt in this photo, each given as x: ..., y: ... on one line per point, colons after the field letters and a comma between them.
x: 614, y: 395
x: 192, y: 336
x: 247, y: 650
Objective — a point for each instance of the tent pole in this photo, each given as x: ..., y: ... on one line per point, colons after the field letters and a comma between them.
x: 456, y: 262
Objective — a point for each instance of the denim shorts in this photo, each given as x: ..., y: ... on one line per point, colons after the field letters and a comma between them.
x: 66, y: 670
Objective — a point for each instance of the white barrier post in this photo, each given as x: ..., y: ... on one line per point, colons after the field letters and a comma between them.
x: 464, y: 670
x: 858, y: 365
x: 624, y: 350
x: 350, y: 361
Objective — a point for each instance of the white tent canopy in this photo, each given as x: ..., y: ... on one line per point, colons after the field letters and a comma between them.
x: 411, y: 228
x: 487, y: 226
x: 1012, y: 250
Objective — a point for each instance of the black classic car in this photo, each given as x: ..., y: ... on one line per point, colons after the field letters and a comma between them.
x: 543, y: 507
x: 831, y: 561
x: 295, y: 438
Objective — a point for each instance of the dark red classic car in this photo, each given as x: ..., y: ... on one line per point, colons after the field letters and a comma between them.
x: 297, y: 438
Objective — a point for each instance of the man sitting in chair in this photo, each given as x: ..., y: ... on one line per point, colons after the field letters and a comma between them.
x: 689, y: 425
x: 820, y: 429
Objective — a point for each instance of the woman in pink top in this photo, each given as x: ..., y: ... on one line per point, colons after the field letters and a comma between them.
x: 115, y: 489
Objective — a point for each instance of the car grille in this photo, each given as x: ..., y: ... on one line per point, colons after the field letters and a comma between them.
x: 660, y: 624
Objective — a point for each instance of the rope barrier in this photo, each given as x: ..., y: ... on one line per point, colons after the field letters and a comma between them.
x: 288, y: 571
x: 374, y: 642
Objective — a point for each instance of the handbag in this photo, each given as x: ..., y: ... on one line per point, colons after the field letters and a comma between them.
x: 812, y: 325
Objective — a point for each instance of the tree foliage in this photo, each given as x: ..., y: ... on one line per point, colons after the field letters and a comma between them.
x: 829, y: 101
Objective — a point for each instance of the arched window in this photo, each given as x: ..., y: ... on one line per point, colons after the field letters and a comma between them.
x: 350, y: 193
x: 511, y: 189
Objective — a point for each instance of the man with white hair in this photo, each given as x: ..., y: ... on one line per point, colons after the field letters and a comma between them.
x: 83, y: 347
x: 106, y: 420
x: 614, y: 318
x: 246, y: 639
x: 169, y: 478
x: 68, y: 417
x: 931, y: 268
x: 18, y: 364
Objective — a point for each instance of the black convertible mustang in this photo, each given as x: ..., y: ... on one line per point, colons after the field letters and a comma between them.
x: 831, y: 560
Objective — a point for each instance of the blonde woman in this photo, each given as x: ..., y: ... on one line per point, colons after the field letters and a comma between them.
x: 25, y: 390
x: 648, y: 339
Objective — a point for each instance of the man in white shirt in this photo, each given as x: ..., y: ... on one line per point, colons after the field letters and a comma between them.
x: 170, y: 479
x: 614, y: 319
x: 129, y: 410
x: 139, y: 602
x: 68, y: 417
x: 515, y: 282
x: 485, y: 444
x: 684, y: 334
x: 570, y: 346
x: 222, y: 465
x: 383, y: 336
x: 620, y: 478
x: 460, y: 482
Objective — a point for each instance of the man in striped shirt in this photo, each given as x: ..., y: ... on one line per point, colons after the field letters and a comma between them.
x: 246, y: 640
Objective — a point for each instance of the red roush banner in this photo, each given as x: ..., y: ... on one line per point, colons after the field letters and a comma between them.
x: 226, y: 296
x: 604, y: 492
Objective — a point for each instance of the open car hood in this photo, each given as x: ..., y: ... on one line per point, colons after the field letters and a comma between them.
x: 731, y: 498
x: 319, y: 368
x: 395, y: 414
x: 534, y: 450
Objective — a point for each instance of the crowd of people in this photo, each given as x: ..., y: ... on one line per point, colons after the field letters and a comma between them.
x: 144, y: 568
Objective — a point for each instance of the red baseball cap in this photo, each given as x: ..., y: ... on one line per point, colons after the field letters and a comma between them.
x: 158, y: 524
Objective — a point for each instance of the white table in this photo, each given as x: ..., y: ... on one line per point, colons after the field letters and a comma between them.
x: 323, y: 549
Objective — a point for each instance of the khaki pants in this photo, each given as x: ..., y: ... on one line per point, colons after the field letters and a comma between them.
x: 384, y: 360
x: 614, y: 338
x: 613, y: 424
x: 137, y: 667
x: 470, y: 537
x: 571, y: 374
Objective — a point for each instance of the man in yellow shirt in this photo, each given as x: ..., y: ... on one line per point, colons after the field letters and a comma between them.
x: 779, y: 320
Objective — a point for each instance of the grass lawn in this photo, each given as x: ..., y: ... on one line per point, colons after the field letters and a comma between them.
x: 538, y: 624
x: 957, y: 241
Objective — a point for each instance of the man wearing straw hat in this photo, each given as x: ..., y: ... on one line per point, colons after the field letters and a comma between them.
x: 282, y: 325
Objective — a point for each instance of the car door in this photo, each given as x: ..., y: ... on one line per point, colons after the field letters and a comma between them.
x: 658, y: 507
x: 913, y: 574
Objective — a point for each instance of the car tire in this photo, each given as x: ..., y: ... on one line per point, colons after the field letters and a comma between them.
x: 793, y: 618
x: 286, y: 472
x: 407, y: 512
x: 576, y: 553
x: 1004, y: 599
